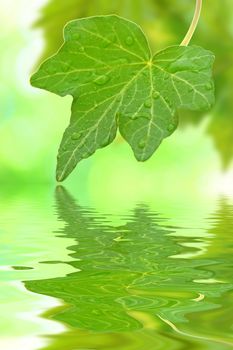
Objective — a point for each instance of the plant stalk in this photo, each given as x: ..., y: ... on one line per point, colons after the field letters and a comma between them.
x: 194, y: 24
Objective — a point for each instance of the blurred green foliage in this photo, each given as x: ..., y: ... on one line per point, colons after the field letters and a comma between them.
x: 165, y: 23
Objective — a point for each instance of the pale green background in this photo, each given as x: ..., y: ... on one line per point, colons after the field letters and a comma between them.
x: 32, y: 123
x: 186, y: 172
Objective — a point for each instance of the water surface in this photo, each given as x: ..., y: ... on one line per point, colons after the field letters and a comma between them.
x: 73, y: 277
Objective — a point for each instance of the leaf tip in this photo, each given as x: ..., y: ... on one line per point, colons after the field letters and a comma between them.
x: 60, y: 177
x: 142, y: 158
x: 62, y: 172
x: 32, y: 79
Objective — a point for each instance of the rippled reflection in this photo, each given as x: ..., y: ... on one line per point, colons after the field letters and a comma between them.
x: 141, y: 285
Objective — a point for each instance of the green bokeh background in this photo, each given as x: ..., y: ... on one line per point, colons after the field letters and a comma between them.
x: 183, y: 181
x: 32, y: 121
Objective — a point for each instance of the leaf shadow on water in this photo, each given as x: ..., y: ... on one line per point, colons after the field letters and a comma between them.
x: 135, y: 286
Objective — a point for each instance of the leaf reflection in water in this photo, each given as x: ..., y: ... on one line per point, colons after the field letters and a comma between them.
x: 134, y: 287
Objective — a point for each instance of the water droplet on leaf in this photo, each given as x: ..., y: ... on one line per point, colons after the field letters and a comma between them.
x: 148, y: 103
x: 102, y: 80
x: 142, y: 144
x: 208, y: 87
x: 179, y: 66
x: 73, y: 77
x: 145, y: 116
x: 133, y: 116
x: 155, y: 95
x: 129, y: 40
x: 51, y: 69
x: 171, y: 127
x: 76, y: 135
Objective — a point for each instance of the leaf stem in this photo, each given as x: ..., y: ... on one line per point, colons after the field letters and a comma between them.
x: 194, y: 24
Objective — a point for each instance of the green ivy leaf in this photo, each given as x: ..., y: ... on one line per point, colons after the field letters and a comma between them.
x: 164, y: 25
x: 107, y: 66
